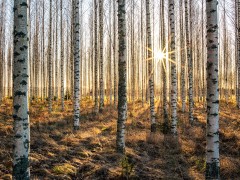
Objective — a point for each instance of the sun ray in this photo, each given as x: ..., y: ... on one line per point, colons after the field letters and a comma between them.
x: 171, y: 61
x: 148, y: 59
x: 149, y: 49
x: 164, y: 66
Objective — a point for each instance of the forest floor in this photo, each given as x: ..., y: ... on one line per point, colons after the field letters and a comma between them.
x: 59, y: 153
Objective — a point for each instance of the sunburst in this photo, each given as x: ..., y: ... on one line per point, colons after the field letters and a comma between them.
x: 161, y: 56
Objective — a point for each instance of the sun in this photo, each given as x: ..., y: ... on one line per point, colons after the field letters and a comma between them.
x: 159, y: 55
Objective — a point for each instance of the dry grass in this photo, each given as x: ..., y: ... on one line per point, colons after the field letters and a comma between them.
x: 64, y: 169
x: 156, y: 139
x: 59, y: 153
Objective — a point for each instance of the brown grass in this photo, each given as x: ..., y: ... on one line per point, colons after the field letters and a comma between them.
x: 59, y: 153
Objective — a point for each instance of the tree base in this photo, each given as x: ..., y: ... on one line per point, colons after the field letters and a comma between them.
x: 154, y: 128
x: 76, y: 128
x: 212, y: 171
x: 120, y: 149
x: 165, y: 128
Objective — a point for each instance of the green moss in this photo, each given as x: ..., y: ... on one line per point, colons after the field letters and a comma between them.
x: 65, y: 169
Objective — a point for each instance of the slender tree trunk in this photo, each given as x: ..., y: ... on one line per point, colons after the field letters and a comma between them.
x: 96, y: 59
x: 76, y: 44
x: 50, y: 59
x: 101, y: 55
x: 150, y: 68
x: 81, y: 49
x: 164, y: 72
x: 132, y: 52
x: 72, y: 51
x: 212, y: 131
x: 1, y: 49
x: 62, y: 59
x: 142, y: 51
x: 238, y: 64
x: 190, y: 62
x: 9, y: 71
x: 20, y: 93
x: 114, y: 55
x: 183, y: 61
x: 122, y: 90
x: 43, y: 49
x: 203, y: 55
x: 56, y: 53
x: 110, y: 52
x: 173, y: 70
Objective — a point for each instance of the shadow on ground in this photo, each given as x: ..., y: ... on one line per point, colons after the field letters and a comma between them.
x: 59, y: 153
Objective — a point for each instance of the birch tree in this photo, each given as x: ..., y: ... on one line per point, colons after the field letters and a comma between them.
x: 114, y: 56
x: 190, y: 65
x: 62, y: 58
x: 173, y: 69
x: 20, y: 93
x: 183, y: 61
x: 76, y: 44
x: 50, y: 59
x: 133, y: 64
x: 110, y: 52
x: 43, y: 49
x: 238, y: 49
x: 96, y: 59
x: 56, y: 51
x: 212, y: 131
x: 2, y: 37
x: 150, y: 68
x: 101, y: 55
x: 122, y: 89
x: 164, y: 71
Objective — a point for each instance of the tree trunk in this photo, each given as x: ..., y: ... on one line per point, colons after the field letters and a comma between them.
x: 150, y: 69
x: 43, y: 49
x: 164, y: 72
x: 96, y: 59
x: 114, y: 55
x: 101, y: 55
x: 190, y: 62
x: 76, y: 44
x: 238, y: 63
x: 50, y: 59
x: 56, y: 53
x: 62, y: 59
x: 20, y: 92
x: 212, y: 131
x: 122, y: 90
x: 183, y: 62
x: 173, y: 70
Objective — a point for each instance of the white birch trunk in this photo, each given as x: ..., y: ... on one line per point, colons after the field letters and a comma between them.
x: 114, y: 56
x: 183, y: 62
x: 190, y: 63
x: 150, y: 68
x: 50, y: 60
x: 62, y: 59
x: 212, y: 131
x: 20, y: 93
x: 164, y: 73
x: 238, y: 61
x: 96, y: 60
x: 101, y: 104
x: 56, y: 54
x: 76, y: 44
x: 173, y: 70
x: 122, y: 89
